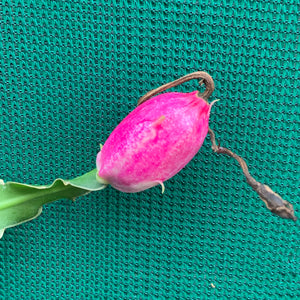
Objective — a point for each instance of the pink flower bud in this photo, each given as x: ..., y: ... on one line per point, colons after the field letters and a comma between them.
x: 154, y: 142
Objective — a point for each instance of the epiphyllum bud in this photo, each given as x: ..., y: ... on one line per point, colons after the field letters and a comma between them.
x: 154, y: 142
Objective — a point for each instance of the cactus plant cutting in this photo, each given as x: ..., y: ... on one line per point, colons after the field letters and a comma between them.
x: 152, y: 144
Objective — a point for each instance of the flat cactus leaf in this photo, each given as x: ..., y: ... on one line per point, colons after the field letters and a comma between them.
x: 20, y: 203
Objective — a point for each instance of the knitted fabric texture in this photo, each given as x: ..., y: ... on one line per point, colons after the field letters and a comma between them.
x: 70, y: 71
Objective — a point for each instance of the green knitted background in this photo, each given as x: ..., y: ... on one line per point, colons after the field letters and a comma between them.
x: 70, y: 71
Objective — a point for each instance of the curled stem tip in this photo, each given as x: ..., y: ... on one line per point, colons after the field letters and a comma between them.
x: 205, y: 78
x: 272, y: 200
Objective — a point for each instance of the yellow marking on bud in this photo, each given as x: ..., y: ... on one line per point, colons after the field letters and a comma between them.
x: 159, y: 121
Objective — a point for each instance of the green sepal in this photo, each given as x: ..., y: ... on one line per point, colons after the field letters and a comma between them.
x: 20, y: 203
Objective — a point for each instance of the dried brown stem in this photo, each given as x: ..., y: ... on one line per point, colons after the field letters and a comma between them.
x: 205, y: 78
x: 272, y: 200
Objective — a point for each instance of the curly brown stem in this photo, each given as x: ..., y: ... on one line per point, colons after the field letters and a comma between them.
x: 206, y: 79
x: 272, y: 200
